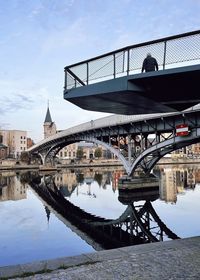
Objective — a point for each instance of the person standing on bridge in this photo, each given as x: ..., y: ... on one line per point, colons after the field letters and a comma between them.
x: 149, y: 64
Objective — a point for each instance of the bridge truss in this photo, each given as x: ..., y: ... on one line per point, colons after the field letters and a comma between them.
x: 139, y: 144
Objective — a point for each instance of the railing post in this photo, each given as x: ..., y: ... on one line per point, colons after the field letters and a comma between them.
x: 87, y: 81
x: 128, y: 62
x: 114, y: 65
x: 65, y: 85
x: 164, y: 58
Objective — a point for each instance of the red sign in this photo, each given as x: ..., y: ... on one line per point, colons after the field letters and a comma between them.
x: 182, y: 130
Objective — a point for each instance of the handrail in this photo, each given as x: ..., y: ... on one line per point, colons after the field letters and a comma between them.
x: 136, y: 46
x: 173, y: 51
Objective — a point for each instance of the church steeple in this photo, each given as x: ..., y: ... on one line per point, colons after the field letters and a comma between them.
x: 49, y: 126
x: 48, y: 116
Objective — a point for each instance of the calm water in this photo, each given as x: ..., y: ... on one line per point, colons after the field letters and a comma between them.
x: 36, y: 223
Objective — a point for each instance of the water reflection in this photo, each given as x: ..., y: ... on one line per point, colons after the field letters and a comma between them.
x: 67, y: 180
x: 176, y: 180
x: 89, y: 203
x: 11, y: 188
x: 136, y: 225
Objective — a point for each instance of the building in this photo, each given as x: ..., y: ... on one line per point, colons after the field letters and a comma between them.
x: 15, y: 140
x: 30, y: 142
x: 70, y: 151
x: 49, y: 126
x: 3, y: 151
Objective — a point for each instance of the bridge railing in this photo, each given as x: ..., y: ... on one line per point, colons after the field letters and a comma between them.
x: 170, y: 52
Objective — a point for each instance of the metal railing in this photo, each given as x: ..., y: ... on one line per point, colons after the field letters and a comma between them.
x: 170, y: 52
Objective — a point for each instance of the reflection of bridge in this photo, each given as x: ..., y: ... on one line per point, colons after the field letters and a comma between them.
x: 112, y: 83
x: 136, y: 225
x: 138, y: 141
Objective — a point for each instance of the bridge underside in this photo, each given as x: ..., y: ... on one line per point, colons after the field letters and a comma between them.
x: 155, y: 92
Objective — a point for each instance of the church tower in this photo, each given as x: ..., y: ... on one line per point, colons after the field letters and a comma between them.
x: 49, y: 126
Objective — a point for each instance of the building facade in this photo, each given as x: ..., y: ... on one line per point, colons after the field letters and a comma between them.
x: 15, y: 140
x: 3, y: 151
x: 70, y: 151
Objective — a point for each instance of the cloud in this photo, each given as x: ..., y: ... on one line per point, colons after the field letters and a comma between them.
x: 14, y: 103
x: 16, y: 96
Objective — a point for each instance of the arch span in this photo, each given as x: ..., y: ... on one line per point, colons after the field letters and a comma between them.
x: 113, y: 128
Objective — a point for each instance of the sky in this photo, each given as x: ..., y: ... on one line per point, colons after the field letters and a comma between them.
x: 38, y: 38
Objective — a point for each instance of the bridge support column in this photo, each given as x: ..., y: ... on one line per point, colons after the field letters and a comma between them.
x: 43, y: 158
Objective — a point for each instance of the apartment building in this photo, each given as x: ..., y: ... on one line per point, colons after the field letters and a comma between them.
x: 15, y: 140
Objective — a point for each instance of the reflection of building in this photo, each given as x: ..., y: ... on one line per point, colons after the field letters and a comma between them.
x: 168, y: 191
x: 115, y: 178
x: 11, y: 189
x: 197, y: 175
x: 191, y: 180
x: 176, y: 180
x: 66, y: 181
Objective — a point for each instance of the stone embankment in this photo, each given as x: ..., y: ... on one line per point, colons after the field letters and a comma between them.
x: 174, y: 260
x: 17, y: 165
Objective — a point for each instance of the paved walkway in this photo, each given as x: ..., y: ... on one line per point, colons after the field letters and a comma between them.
x: 179, y: 259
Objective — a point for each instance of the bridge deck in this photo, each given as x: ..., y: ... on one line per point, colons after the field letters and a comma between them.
x: 153, y: 92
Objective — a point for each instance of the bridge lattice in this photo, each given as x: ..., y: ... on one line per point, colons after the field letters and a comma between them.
x: 139, y: 142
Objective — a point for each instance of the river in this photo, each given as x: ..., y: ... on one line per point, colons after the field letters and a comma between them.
x: 76, y: 211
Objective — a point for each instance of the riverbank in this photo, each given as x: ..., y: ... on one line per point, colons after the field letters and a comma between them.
x: 177, y: 259
x: 8, y: 165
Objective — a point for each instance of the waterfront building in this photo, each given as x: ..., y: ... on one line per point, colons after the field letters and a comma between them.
x: 15, y: 140
x: 30, y: 142
x: 70, y: 151
x: 3, y: 151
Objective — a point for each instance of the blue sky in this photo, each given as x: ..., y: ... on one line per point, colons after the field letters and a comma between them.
x: 38, y: 38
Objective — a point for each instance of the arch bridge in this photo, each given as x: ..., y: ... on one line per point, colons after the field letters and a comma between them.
x: 138, y: 141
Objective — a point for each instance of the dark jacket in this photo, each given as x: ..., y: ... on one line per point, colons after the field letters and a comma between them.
x: 149, y: 64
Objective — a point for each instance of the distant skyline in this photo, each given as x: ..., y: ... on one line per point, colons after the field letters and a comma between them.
x: 38, y: 38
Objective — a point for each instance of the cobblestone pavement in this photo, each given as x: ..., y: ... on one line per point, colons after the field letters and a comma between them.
x: 179, y: 259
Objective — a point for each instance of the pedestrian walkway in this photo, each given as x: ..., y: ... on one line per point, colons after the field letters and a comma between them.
x: 178, y: 259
